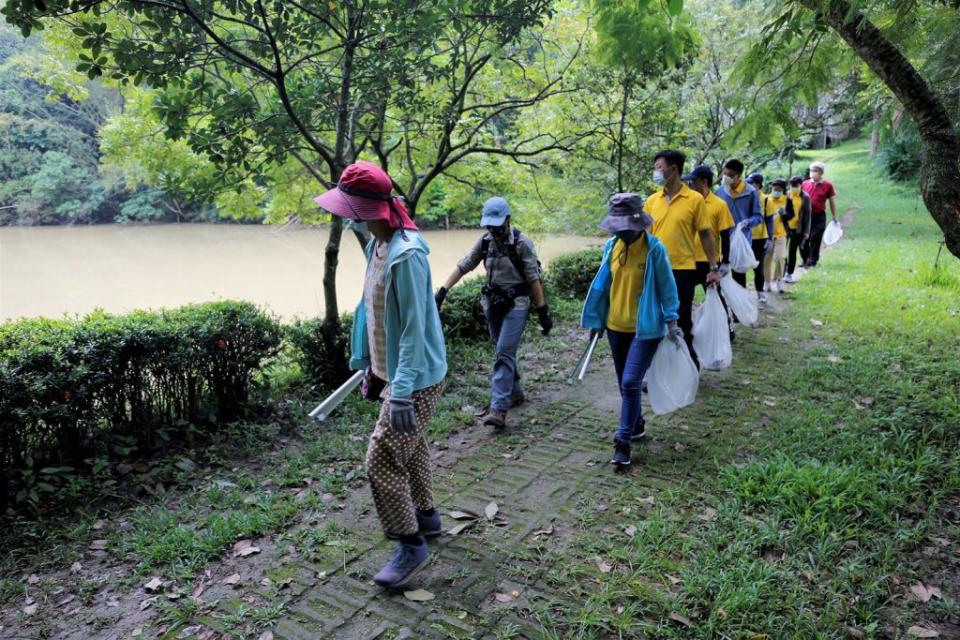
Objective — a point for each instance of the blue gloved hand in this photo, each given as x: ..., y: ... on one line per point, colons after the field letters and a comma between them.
x: 403, y: 419
x: 768, y: 245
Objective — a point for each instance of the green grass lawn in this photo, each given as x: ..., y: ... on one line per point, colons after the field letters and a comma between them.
x: 846, y: 496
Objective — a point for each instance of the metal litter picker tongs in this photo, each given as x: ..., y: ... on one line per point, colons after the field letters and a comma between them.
x: 580, y: 370
x: 325, y: 408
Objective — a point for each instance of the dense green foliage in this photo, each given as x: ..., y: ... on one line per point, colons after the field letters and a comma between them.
x: 570, y: 275
x: 109, y: 384
x: 311, y: 351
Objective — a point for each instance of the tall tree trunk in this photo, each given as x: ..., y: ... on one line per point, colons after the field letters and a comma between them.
x: 875, y: 134
x: 939, y: 148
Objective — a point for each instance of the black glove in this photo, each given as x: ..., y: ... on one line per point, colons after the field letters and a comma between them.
x: 403, y: 419
x: 440, y: 297
x: 546, y: 322
x: 596, y: 332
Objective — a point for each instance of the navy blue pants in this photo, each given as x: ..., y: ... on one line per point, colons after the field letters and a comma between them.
x: 631, y: 359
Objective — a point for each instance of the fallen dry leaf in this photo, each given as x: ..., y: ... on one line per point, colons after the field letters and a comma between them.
x: 921, y: 632
x: 76, y: 567
x: 834, y: 359
x: 921, y: 592
x: 708, y: 514
x: 418, y: 595
x: 462, y: 515
x: 853, y: 632
x: 630, y: 531
x: 146, y: 603
x: 98, y: 545
x: 231, y: 580
x: 33, y: 578
x: 648, y: 501
x: 30, y: 609
x: 503, y: 598
x: 266, y: 635
x: 457, y: 530
x: 244, y: 548
x: 816, y: 323
x: 491, y: 510
x: 604, y: 566
x: 542, y: 532
x: 673, y: 579
x: 154, y: 585
x: 676, y: 617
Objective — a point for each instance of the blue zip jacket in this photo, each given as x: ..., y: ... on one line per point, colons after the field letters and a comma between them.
x: 416, y: 354
x: 745, y: 206
x: 658, y: 301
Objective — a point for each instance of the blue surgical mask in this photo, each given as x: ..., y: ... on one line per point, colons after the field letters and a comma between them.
x: 776, y: 193
x: 658, y: 178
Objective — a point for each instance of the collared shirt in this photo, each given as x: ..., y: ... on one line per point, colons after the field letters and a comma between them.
x: 677, y: 222
x: 760, y: 231
x: 500, y: 268
x: 797, y: 198
x: 628, y: 267
x: 744, y: 204
x: 772, y: 208
x: 375, y: 298
x: 720, y: 220
x: 819, y: 193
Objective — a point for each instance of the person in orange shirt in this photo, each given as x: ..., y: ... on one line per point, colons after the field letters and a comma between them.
x: 679, y: 216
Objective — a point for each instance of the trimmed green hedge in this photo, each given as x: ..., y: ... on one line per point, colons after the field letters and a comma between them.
x: 323, y: 359
x: 570, y: 275
x: 461, y: 313
x: 69, y: 388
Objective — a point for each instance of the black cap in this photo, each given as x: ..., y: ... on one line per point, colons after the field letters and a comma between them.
x: 700, y: 172
x: 755, y: 178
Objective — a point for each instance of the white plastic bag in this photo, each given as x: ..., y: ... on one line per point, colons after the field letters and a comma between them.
x: 833, y: 233
x: 741, y: 253
x: 673, y: 378
x: 711, y: 333
x: 742, y: 303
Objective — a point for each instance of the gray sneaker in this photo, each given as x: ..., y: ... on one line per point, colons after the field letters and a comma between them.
x: 496, y: 419
x: 407, y: 560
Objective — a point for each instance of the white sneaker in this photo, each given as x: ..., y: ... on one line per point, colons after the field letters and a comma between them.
x: 780, y: 287
x: 790, y: 279
x: 761, y: 297
x: 767, y: 287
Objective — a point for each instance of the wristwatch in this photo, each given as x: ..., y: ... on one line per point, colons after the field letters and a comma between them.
x: 715, y: 268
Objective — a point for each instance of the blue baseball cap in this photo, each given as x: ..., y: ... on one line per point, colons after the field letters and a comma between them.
x: 495, y: 212
x: 699, y: 172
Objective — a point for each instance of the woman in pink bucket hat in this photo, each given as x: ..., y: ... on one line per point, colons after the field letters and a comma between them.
x: 397, y: 338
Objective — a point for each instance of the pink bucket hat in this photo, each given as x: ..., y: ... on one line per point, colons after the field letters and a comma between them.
x: 364, y: 194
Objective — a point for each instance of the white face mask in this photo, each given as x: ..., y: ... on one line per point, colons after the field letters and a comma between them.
x: 658, y: 178
x: 726, y: 181
x: 794, y: 190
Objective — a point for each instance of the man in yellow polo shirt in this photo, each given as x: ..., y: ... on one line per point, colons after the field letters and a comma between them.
x: 679, y: 216
x: 721, y: 221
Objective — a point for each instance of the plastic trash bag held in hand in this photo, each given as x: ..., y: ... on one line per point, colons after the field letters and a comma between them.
x: 742, y: 303
x: 711, y: 333
x: 833, y: 233
x: 673, y: 379
x: 741, y: 253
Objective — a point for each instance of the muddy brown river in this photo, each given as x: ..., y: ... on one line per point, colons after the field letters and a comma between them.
x: 50, y: 271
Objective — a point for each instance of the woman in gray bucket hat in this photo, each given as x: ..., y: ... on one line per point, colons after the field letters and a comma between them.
x: 634, y: 299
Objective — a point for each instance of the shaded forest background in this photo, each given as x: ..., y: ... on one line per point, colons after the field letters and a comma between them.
x: 586, y: 103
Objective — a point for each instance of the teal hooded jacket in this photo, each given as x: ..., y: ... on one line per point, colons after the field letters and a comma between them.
x: 416, y: 354
x: 658, y: 303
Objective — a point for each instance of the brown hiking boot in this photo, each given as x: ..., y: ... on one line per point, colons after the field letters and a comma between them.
x: 496, y: 419
x: 517, y: 399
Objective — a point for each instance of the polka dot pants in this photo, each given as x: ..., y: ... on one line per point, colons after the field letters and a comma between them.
x: 398, y: 465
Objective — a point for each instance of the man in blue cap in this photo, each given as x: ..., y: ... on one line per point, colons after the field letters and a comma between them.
x: 513, y: 287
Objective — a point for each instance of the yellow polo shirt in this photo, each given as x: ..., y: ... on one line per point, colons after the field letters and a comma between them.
x: 760, y: 231
x: 771, y: 207
x: 628, y: 266
x: 676, y: 223
x: 720, y: 220
x: 794, y: 222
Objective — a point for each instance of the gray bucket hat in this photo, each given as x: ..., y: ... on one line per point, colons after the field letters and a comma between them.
x: 625, y: 213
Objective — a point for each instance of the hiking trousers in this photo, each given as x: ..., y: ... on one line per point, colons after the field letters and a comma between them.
x: 775, y: 261
x: 398, y: 465
x: 506, y: 331
x: 631, y: 359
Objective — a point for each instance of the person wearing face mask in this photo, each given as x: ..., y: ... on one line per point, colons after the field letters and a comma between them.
x: 633, y: 297
x: 396, y: 336
x: 679, y: 216
x: 775, y: 207
x: 513, y: 285
x: 798, y: 203
x: 744, y: 203
x: 820, y: 191
x: 762, y: 241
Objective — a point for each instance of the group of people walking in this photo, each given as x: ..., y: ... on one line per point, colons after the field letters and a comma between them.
x: 661, y: 249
